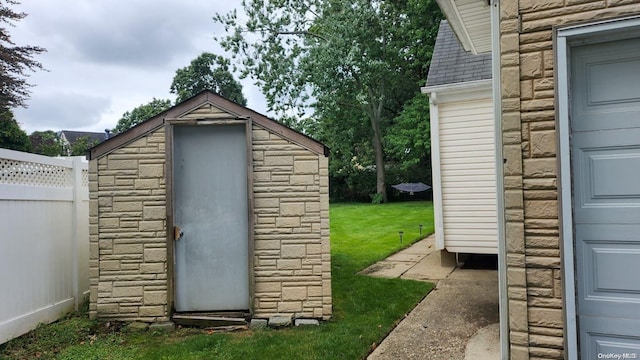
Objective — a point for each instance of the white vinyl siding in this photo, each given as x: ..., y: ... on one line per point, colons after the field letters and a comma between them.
x: 468, y: 176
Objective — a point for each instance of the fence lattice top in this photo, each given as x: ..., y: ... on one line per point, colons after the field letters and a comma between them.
x: 30, y: 173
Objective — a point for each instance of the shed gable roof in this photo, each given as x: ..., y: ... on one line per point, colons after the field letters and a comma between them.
x: 205, y: 106
x: 451, y: 64
x: 73, y: 136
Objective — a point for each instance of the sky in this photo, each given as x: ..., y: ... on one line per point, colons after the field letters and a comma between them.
x: 107, y: 57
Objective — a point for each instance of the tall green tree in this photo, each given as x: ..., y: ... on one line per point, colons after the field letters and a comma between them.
x: 141, y: 113
x: 81, y: 145
x: 46, y: 143
x: 15, y: 61
x: 11, y: 135
x: 345, y: 60
x: 207, y: 72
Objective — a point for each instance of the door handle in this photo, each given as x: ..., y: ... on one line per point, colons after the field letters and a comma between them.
x: 177, y: 233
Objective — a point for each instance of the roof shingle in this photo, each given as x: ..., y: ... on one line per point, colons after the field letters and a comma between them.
x: 451, y: 64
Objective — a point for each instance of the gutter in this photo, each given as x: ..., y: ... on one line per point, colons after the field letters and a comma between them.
x: 503, y: 299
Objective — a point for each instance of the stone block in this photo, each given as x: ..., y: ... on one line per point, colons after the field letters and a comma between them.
x: 307, y: 322
x: 155, y: 255
x: 154, y: 213
x: 292, y: 209
x: 151, y: 311
x: 155, y: 298
x: 509, y: 43
x: 105, y: 180
x: 122, y: 164
x: 510, y: 82
x: 519, y: 352
x: 293, y: 251
x: 104, y: 309
x: 289, y: 264
x: 546, y: 317
x: 540, y: 168
x: 540, y: 277
x: 162, y: 326
x: 280, y: 320
x: 261, y: 176
x: 152, y: 268
x: 266, y: 203
x: 289, y: 222
x: 508, y: 10
x: 518, y: 315
x: 305, y: 167
x: 127, y: 248
x: 290, y: 307
x: 151, y: 225
x: 538, y: 5
x: 268, y: 287
x: 142, y: 184
x: 127, y: 291
x: 294, y: 293
x: 531, y: 65
x: 267, y: 244
x: 514, y: 232
x: 543, y: 143
x: 302, y: 180
x: 541, y: 209
x: 270, y: 160
x: 257, y: 324
x: 127, y: 206
x: 537, y: 104
x: 513, y: 160
x: 543, y: 262
x: 513, y: 199
x: 105, y: 201
x: 138, y: 326
x: 109, y: 223
x: 516, y: 277
x: 151, y: 171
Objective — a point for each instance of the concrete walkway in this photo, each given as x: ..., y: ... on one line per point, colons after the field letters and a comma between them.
x: 457, y: 320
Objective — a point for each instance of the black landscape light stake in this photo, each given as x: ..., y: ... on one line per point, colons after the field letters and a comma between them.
x: 400, y: 233
x: 420, y: 229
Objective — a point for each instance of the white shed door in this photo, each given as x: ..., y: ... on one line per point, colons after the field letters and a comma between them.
x: 605, y: 147
x: 211, y: 208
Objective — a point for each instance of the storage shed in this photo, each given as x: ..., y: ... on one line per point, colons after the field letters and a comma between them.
x: 462, y: 147
x: 209, y: 208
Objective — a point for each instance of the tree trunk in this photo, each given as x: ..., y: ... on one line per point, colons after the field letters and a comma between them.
x: 381, y: 187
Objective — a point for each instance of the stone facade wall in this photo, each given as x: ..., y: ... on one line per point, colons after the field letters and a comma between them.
x: 128, y: 261
x: 292, y: 261
x: 128, y: 241
x: 530, y: 172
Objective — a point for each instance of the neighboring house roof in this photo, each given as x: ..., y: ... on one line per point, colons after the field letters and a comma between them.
x: 451, y: 64
x: 237, y: 111
x: 73, y: 136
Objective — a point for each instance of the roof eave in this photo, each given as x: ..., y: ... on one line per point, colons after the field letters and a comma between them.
x: 474, y: 34
x: 241, y: 112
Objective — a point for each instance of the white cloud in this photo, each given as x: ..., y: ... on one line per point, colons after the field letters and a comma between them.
x: 106, y: 57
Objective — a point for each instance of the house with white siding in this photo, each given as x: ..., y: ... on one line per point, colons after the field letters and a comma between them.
x: 462, y: 147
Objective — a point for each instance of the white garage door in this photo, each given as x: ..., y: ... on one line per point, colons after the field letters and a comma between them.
x: 605, y: 155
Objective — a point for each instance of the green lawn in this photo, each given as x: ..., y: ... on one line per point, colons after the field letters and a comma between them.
x: 365, y: 309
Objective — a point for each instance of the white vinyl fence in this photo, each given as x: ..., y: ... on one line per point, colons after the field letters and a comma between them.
x: 44, y: 239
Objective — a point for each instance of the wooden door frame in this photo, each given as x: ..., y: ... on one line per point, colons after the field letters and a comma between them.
x: 564, y: 38
x: 170, y: 124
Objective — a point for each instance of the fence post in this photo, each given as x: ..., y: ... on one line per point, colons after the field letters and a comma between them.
x: 76, y: 179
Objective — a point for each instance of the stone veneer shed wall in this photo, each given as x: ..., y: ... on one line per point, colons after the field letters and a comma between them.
x: 528, y: 91
x: 131, y: 247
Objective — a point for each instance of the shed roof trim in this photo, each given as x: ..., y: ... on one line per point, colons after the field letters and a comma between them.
x: 182, y: 109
